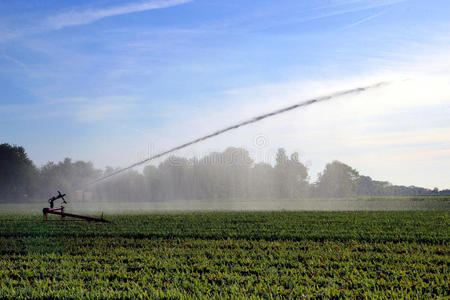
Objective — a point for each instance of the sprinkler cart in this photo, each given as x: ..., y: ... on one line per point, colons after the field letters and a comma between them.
x: 60, y: 211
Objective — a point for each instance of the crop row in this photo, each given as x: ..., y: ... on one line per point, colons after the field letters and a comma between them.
x: 429, y: 227
x: 117, y: 268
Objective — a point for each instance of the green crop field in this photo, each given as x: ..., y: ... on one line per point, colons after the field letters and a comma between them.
x: 229, y: 254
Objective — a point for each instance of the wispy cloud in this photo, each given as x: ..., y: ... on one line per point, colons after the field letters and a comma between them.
x: 92, y: 109
x: 88, y: 16
x: 366, y: 6
x: 15, y: 61
x: 77, y: 109
x: 314, y: 14
x: 362, y: 21
x: 98, y: 112
x: 83, y: 17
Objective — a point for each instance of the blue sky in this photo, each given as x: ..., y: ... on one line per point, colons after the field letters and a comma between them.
x: 109, y: 81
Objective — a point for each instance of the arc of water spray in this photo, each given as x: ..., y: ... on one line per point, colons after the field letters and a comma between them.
x: 244, y: 123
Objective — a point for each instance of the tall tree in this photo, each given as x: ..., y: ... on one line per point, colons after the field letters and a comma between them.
x: 237, y: 164
x: 66, y: 176
x: 291, y: 176
x: 337, y: 180
x: 18, y: 175
x: 175, y: 172
x: 281, y: 174
x: 262, y: 181
x: 297, y: 178
x: 153, y: 183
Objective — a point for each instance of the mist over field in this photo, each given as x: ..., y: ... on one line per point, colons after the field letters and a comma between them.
x: 236, y: 205
x: 228, y: 180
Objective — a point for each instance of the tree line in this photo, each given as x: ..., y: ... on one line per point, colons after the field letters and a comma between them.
x: 218, y: 175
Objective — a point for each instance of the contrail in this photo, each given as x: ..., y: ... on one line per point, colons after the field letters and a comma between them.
x: 244, y: 123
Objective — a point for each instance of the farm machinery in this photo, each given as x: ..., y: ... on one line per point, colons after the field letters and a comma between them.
x: 60, y: 211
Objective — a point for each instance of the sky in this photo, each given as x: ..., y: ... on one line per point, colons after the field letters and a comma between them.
x: 114, y: 81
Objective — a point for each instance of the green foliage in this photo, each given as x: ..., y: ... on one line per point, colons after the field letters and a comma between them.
x: 204, y: 255
x: 17, y: 173
x: 66, y: 176
x: 291, y: 176
x: 337, y: 180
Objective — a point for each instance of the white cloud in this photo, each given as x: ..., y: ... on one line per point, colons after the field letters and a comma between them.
x: 88, y: 16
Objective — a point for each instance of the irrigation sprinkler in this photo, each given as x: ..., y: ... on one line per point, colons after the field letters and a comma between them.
x: 60, y: 211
